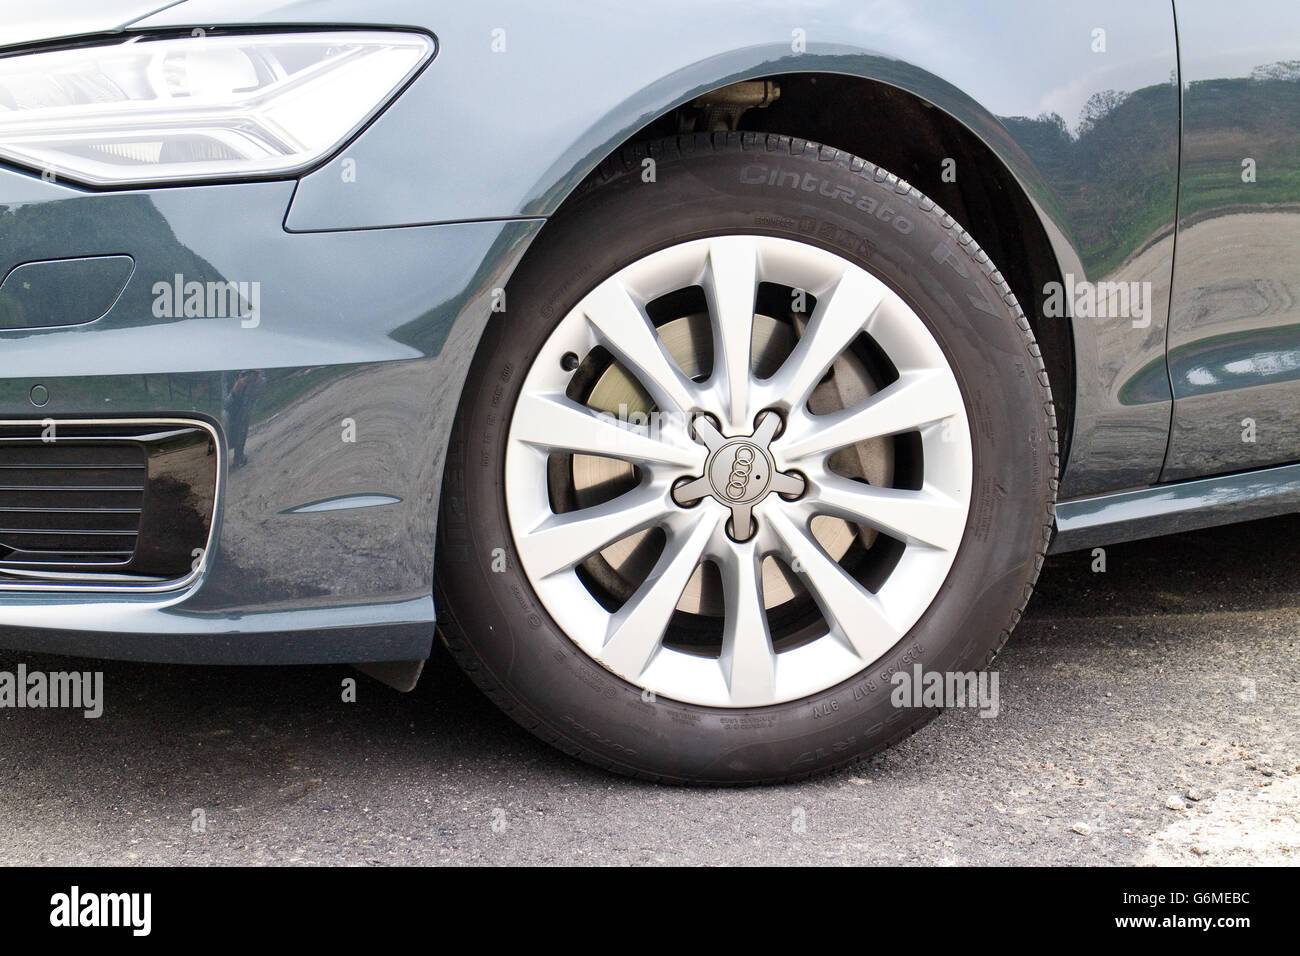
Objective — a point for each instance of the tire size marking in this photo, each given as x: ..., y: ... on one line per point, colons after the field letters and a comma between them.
x: 825, y: 709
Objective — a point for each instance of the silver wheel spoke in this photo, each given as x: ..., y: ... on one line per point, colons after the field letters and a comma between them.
x: 564, y: 540
x: 730, y: 285
x: 555, y: 423
x: 837, y: 320
x: 748, y: 661
x: 916, y: 399
x: 636, y: 630
x: 625, y: 329
x: 848, y: 607
x: 921, y: 517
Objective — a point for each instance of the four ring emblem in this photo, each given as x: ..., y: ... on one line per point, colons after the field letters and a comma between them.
x: 738, y: 481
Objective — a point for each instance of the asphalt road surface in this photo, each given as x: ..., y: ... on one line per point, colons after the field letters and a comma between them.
x: 1150, y: 713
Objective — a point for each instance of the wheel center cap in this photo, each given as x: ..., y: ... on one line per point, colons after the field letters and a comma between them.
x: 738, y: 473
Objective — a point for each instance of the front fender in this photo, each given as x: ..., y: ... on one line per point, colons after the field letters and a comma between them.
x: 1080, y: 104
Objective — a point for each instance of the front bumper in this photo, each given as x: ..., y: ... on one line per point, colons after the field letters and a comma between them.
x: 333, y: 402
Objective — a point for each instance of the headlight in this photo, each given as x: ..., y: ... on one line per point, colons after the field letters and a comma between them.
x: 198, y: 107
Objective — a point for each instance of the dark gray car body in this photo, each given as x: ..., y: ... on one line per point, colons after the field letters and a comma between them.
x: 376, y: 287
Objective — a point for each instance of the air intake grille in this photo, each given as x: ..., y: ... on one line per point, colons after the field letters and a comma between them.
x: 86, y: 500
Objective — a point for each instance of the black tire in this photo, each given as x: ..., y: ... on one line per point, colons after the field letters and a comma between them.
x: 709, y: 185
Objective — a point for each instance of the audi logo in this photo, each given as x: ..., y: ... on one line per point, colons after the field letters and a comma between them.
x: 738, y: 481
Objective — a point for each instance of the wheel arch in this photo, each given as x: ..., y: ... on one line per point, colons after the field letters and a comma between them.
x: 996, y: 194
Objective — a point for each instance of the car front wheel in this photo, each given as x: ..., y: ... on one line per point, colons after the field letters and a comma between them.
x: 757, y: 432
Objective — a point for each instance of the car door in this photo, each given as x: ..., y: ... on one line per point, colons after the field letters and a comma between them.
x: 1234, y: 328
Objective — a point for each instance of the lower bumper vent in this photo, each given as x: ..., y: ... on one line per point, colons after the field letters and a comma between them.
x: 104, y: 502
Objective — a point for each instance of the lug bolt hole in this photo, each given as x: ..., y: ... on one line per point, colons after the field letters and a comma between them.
x: 731, y: 529
x: 780, y: 428
x: 711, y: 419
x: 569, y: 361
x: 677, y: 486
x: 794, y: 496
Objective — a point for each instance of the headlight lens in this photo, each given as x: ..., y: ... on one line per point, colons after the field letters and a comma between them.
x: 198, y: 107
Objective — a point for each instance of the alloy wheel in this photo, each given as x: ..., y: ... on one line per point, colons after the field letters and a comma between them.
x: 745, y: 551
